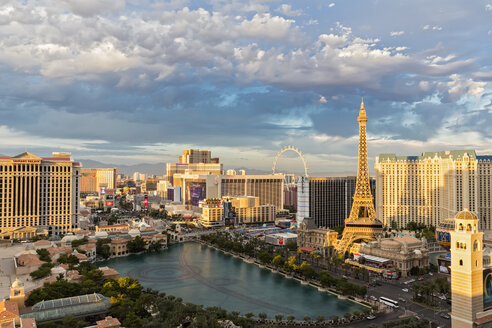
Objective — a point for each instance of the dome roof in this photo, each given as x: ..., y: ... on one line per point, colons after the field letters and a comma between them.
x: 390, y: 244
x: 17, y: 283
x: 101, y: 234
x: 69, y: 238
x: 466, y: 215
x: 134, y: 232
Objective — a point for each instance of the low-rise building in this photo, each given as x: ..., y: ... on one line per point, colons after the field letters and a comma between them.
x: 27, y: 263
x: 311, y: 238
x: 113, y: 228
x: 405, y: 252
x: 281, y: 239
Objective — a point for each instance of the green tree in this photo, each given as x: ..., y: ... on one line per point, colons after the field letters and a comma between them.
x: 43, y: 271
x: 249, y: 315
x: 279, y: 317
x: 291, y: 246
x: 136, y: 245
x: 68, y: 259
x: 306, y: 270
x: 264, y: 257
x: 132, y: 320
x: 262, y: 315
x: 44, y: 255
x: 320, y: 318
x: 334, y: 318
x: 102, y: 248
x: 278, y: 261
x: 307, y: 318
x: 347, y: 315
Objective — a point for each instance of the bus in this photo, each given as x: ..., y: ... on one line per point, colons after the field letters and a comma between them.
x: 388, y: 302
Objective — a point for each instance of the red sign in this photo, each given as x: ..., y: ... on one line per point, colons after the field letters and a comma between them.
x: 109, y: 203
x: 146, y: 202
x: 281, y: 241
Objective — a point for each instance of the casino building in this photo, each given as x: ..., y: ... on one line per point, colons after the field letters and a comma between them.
x: 40, y: 193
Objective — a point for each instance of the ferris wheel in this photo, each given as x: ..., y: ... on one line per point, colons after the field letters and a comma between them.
x: 294, y: 149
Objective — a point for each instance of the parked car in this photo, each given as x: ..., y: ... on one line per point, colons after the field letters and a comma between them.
x: 405, y: 290
x: 431, y: 274
x: 401, y: 299
x: 443, y: 297
x: 445, y: 316
x: 371, y: 317
x: 374, y: 298
x: 420, y: 278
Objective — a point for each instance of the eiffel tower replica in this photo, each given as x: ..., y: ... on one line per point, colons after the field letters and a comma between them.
x: 362, y: 223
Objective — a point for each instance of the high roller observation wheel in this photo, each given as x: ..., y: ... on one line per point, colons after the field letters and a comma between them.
x: 294, y: 149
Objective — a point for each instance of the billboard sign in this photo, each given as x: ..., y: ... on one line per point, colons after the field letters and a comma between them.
x: 444, y: 266
x: 196, y: 192
x: 487, y: 289
x: 110, y: 203
x: 146, y: 202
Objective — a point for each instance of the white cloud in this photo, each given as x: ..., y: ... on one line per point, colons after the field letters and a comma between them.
x: 312, y: 22
x: 94, y: 7
x: 322, y: 100
x: 459, y: 86
x: 286, y: 10
x: 397, y: 33
x: 488, y: 7
x: 433, y: 28
x: 331, y: 5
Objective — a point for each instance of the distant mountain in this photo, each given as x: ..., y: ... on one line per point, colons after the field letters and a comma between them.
x: 151, y: 169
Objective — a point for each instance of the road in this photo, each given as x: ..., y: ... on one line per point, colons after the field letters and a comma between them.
x: 394, y: 291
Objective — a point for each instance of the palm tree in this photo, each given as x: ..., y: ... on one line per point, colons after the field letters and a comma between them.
x: 291, y: 317
x: 320, y: 318
x: 262, y: 315
x: 307, y: 318
x: 279, y: 317
x: 249, y: 315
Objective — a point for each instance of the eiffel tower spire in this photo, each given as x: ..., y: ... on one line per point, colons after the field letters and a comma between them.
x: 362, y: 223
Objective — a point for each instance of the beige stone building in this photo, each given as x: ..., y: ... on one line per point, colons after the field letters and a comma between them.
x: 92, y: 180
x: 247, y: 208
x: 405, y: 252
x: 434, y: 186
x: 39, y: 192
x: 312, y: 238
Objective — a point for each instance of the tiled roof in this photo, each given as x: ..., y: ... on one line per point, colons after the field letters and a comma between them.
x: 29, y: 260
x: 108, y: 322
x: 9, y: 310
x: 28, y: 323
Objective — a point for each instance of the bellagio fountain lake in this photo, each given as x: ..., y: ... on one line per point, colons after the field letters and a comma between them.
x: 202, y: 275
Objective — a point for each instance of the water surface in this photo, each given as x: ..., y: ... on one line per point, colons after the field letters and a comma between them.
x: 203, y: 275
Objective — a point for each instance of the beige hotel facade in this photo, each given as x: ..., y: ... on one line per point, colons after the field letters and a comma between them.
x: 433, y: 186
x: 38, y: 192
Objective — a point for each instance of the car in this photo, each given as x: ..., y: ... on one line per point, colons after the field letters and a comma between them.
x: 420, y: 278
x: 371, y: 317
x: 374, y: 298
x: 443, y: 297
x: 401, y: 299
x: 431, y: 274
x: 445, y: 316
x: 405, y: 290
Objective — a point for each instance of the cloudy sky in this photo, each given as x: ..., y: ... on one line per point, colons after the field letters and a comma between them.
x: 137, y: 81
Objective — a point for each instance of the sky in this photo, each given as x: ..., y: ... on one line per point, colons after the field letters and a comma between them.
x: 130, y: 82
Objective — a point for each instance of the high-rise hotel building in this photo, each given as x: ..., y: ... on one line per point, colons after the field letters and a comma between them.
x: 432, y: 187
x: 39, y: 192
x: 194, y: 161
x: 331, y: 198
